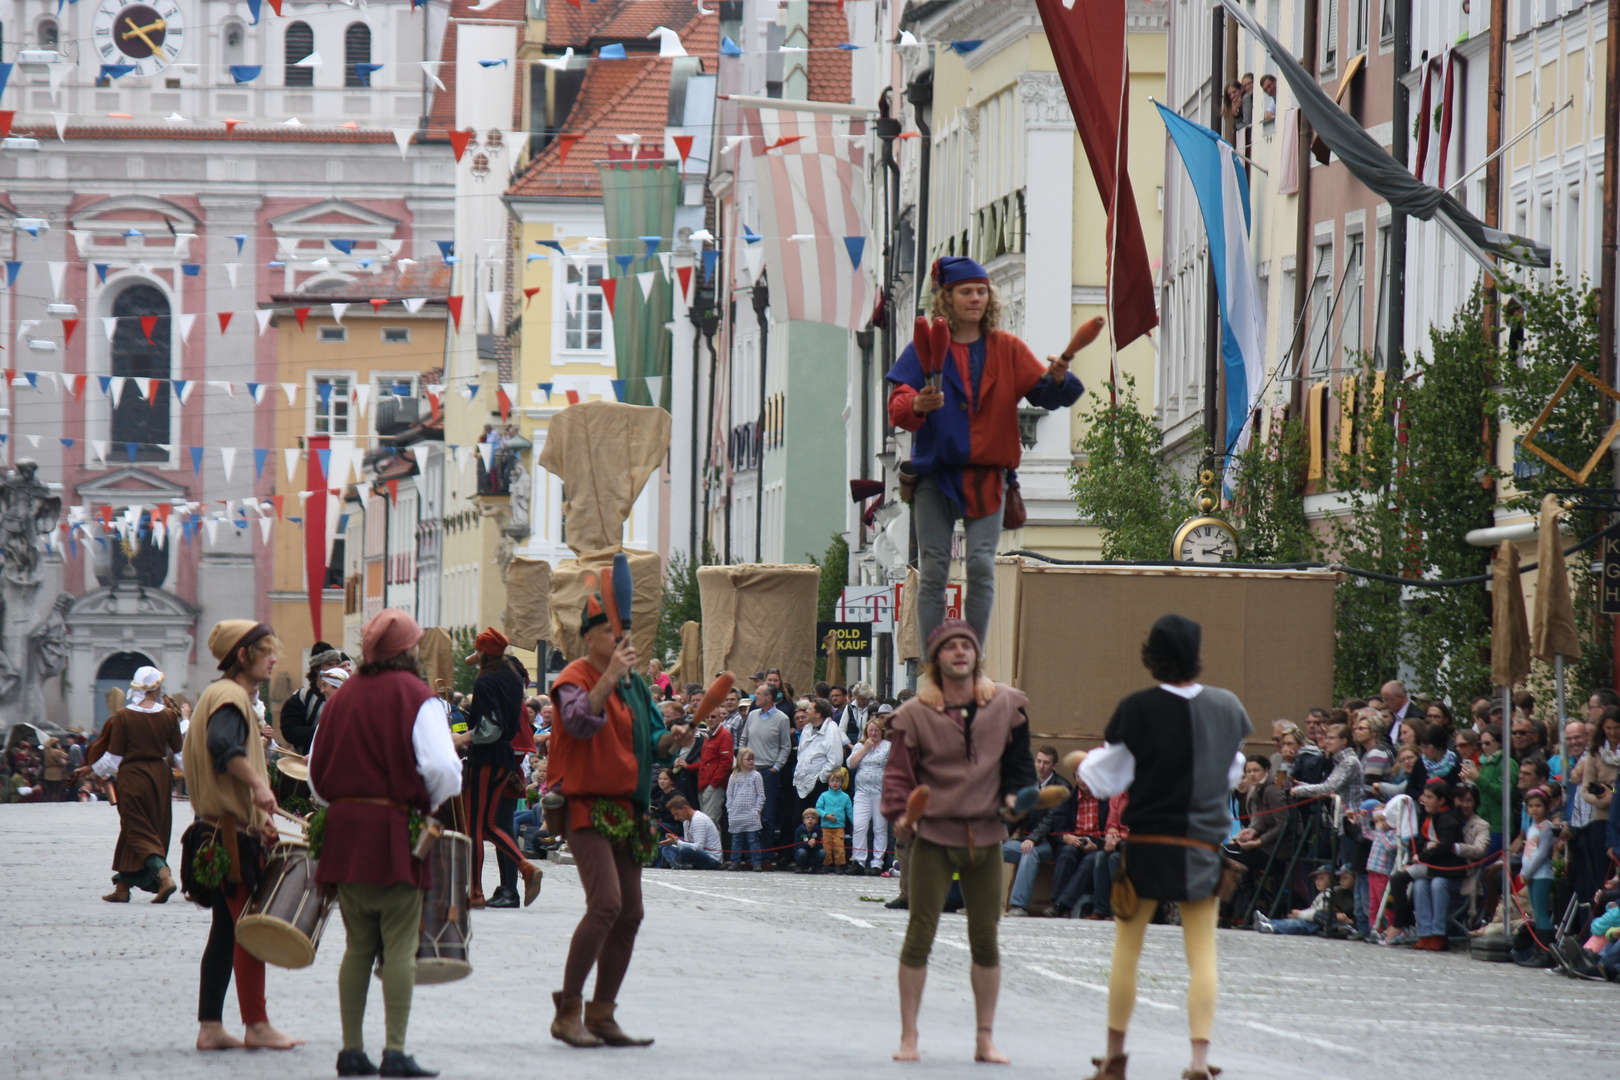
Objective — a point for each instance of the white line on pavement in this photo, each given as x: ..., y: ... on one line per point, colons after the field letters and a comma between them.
x: 1047, y: 972
x: 1321, y: 1044
x: 852, y: 919
x: 701, y: 892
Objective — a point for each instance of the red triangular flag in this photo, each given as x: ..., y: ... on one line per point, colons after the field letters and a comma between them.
x: 609, y: 287
x: 105, y: 514
x: 224, y: 320
x: 566, y: 143
x: 275, y: 5
x: 433, y: 401
x: 68, y: 326
x: 454, y: 303
x: 276, y: 501
x: 458, y: 142
x: 78, y: 382
x: 684, y: 275
x: 377, y: 303
x: 230, y: 125
x: 574, y: 2
x: 683, y: 145
x: 302, y: 313
x: 786, y: 140
x: 505, y: 403
x: 528, y: 294
x: 393, y: 492
x: 573, y: 397
x: 163, y: 511
x: 148, y: 323
x: 5, y: 122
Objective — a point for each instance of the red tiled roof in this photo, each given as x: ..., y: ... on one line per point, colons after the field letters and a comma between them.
x: 828, y: 67
x: 610, y: 20
x: 426, y: 279
x: 442, y: 115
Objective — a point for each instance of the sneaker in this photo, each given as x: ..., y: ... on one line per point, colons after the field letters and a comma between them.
x: 886, y: 873
x: 1055, y: 911
x: 899, y: 903
x: 1263, y: 924
x: 1017, y: 913
x: 857, y: 869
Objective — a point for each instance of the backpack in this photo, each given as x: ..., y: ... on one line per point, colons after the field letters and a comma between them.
x: 1311, y: 766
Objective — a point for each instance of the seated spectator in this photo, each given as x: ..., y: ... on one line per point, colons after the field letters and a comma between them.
x: 1367, y: 733
x: 1344, y: 782
x: 1467, y: 745
x: 807, y: 850
x: 1034, y: 847
x: 1436, y: 760
x: 1266, y: 820
x: 701, y: 849
x: 835, y: 809
x: 1437, y: 870
x: 1104, y: 864
x: 1078, y: 826
x: 664, y: 789
x: 1333, y: 908
x: 1406, y: 762
x: 1475, y: 843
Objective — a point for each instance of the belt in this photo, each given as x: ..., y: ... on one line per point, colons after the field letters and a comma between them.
x: 1172, y: 841
x: 374, y: 801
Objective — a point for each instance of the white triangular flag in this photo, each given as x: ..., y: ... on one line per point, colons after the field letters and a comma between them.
x: 58, y: 72
x: 291, y: 390
x: 517, y: 142
x: 655, y: 388
x: 431, y: 69
x: 256, y: 392
x: 227, y: 458
x: 115, y: 389
x: 290, y: 458
x: 212, y: 525
x: 110, y: 324
x: 732, y: 142
x: 391, y: 246
x: 182, y: 246
x: 570, y: 295
x: 666, y: 260
x: 413, y: 304
x: 487, y: 452
x: 402, y: 139
x: 357, y: 463
x: 61, y: 124
x: 669, y: 42
x: 313, y: 60
x: 82, y: 239
x: 264, y: 314
x: 645, y: 280
x: 337, y: 312
x: 321, y: 263
x: 34, y: 441
x: 265, y: 525
x: 755, y: 254
x: 185, y: 325
x: 492, y: 304
x: 100, y: 448
x: 230, y: 272
x: 58, y: 272
x: 361, y: 392
x: 229, y: 388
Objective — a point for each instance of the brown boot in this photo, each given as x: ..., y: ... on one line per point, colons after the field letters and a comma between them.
x: 119, y: 895
x: 568, y: 1027
x: 599, y: 1021
x: 1109, y: 1068
x: 532, y: 876
x: 166, y: 886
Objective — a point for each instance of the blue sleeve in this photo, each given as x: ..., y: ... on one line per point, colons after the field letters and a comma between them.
x: 1047, y: 395
x: 908, y: 369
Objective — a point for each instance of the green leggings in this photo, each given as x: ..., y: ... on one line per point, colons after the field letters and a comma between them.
x: 386, y: 919
x: 144, y: 878
x: 928, y: 873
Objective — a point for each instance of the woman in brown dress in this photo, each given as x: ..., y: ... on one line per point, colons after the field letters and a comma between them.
x: 141, y: 737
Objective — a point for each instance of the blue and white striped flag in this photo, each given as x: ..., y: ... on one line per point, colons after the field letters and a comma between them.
x: 1223, y: 196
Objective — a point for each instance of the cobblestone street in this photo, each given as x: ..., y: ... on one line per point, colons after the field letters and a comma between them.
x: 742, y: 975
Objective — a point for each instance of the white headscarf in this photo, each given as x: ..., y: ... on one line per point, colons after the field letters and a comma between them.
x: 143, y: 690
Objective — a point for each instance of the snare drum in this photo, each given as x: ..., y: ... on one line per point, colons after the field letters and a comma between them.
x: 282, y: 923
x: 443, y: 947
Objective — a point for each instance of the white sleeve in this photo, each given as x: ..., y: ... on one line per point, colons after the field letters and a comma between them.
x: 1109, y: 770
x: 1234, y: 775
x: 436, y: 756
x: 106, y: 765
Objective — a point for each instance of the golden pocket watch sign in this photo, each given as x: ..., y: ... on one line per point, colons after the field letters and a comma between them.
x: 1206, y: 537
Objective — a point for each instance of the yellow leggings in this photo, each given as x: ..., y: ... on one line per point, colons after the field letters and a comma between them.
x: 1197, y: 935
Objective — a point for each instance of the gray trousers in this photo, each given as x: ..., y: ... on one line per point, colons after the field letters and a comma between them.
x: 935, y: 517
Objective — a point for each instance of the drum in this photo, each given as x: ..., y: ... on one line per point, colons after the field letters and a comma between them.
x: 442, y: 950
x: 283, y: 920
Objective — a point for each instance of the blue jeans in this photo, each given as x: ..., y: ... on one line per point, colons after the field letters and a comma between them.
x: 1102, y: 882
x: 808, y: 856
x: 1363, y: 899
x: 767, y: 816
x: 681, y: 853
x: 1431, y: 903
x: 1028, y: 866
x: 744, y: 842
x: 1300, y: 927
x: 533, y: 816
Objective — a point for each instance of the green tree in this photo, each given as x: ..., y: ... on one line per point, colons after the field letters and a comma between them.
x: 834, y: 564
x: 1125, y: 487
x: 1268, y: 507
x: 463, y: 675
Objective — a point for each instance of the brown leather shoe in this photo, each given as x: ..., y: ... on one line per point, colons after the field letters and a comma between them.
x: 1209, y: 1072
x: 568, y: 1026
x: 1109, y: 1068
x: 477, y: 903
x: 166, y: 887
x: 599, y: 1022
x: 119, y: 895
x: 531, y: 883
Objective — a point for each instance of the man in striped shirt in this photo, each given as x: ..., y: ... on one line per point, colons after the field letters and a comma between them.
x: 701, y: 850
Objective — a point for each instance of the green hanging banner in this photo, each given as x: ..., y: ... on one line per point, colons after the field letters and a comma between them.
x: 638, y: 204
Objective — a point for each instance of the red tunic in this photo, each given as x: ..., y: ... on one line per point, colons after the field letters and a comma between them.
x: 602, y: 766
x: 363, y: 750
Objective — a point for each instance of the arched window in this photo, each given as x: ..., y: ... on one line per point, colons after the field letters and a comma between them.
x: 234, y: 37
x: 49, y: 35
x: 300, y: 42
x: 134, y: 419
x: 356, y: 50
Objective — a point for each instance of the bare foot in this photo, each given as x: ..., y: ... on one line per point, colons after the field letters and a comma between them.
x: 213, y: 1036
x: 985, y: 1050
x: 908, y: 1050
x: 265, y: 1037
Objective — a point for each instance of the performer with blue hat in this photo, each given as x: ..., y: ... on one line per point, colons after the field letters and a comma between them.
x: 958, y: 387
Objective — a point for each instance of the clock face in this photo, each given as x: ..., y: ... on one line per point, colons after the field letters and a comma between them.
x: 1206, y: 540
x: 148, y: 36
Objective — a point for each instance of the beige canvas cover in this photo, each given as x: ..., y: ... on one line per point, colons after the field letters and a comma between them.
x: 574, y: 579
x: 528, y: 601
x: 1510, y: 631
x: 1555, y: 612
x: 907, y: 644
x: 437, y: 653
x: 603, y: 451
x: 760, y: 615
x: 689, y: 665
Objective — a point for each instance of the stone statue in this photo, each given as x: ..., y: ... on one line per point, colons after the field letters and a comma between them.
x: 28, y: 512
x: 50, y: 639
x: 518, y: 484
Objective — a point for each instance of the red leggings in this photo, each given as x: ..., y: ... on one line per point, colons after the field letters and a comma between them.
x: 221, y: 957
x: 483, y: 792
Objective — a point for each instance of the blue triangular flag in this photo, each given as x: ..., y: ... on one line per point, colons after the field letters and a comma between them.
x: 111, y: 71
x: 180, y: 389
x: 67, y: 443
x: 130, y: 448
x: 5, y: 75
x: 246, y: 72
x: 12, y: 266
x: 325, y: 457
x: 856, y: 246
x: 545, y: 388
x: 240, y: 238
x: 847, y: 47
x: 612, y: 52
x: 500, y: 62
x: 472, y: 391
x: 101, y: 271
x: 31, y: 230
x: 552, y: 244
x: 253, y: 391
x: 962, y: 48
x: 324, y: 389
x: 133, y: 234
x: 253, y: 9
x: 624, y: 262
x: 33, y: 378
x: 711, y: 259
x: 298, y: 520
x: 446, y: 247
x: 343, y: 524
x: 345, y: 246
x: 259, y: 456
x: 618, y: 388
x: 533, y: 255
x: 652, y: 244
x: 751, y: 236
x: 106, y: 384
x: 365, y: 264
x: 196, y: 460
x: 190, y: 269
x: 363, y: 72
x: 402, y: 389
x: 729, y: 47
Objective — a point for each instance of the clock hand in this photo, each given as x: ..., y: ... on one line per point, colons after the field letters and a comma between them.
x: 141, y: 31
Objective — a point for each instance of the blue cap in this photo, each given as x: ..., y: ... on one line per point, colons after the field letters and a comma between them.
x: 955, y: 269
x: 1370, y: 804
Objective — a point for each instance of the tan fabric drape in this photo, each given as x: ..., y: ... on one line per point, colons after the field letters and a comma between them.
x: 528, y: 601
x: 689, y: 666
x: 1510, y: 633
x: 603, y: 451
x: 574, y: 579
x: 907, y: 638
x: 1555, y: 612
x: 760, y: 615
x: 437, y: 654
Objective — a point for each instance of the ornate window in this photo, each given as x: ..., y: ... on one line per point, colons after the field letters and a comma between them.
x: 140, y: 350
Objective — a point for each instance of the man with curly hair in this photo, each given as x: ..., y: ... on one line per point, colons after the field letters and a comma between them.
x: 961, y: 402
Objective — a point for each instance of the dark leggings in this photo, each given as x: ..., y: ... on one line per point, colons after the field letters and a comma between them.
x: 606, y: 936
x: 506, y: 810
x: 485, y: 783
x: 222, y: 956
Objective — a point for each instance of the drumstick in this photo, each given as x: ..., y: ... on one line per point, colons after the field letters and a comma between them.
x: 714, y: 695
x: 290, y: 816
x: 916, y: 806
x: 1084, y: 336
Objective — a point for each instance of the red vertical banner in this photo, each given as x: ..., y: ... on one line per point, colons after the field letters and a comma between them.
x: 1089, y: 45
x: 315, y: 527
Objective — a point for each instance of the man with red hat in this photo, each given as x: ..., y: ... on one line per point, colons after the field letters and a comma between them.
x: 492, y: 769
x: 962, y: 407
x: 967, y: 739
x: 608, y: 736
x: 382, y: 755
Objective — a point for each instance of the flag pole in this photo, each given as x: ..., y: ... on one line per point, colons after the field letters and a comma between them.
x: 1508, y: 780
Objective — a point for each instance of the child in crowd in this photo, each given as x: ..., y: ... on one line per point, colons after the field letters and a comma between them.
x: 745, y: 798
x: 807, y: 852
x: 1334, y: 906
x: 1536, y: 867
x: 836, y: 809
x: 1380, y: 859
